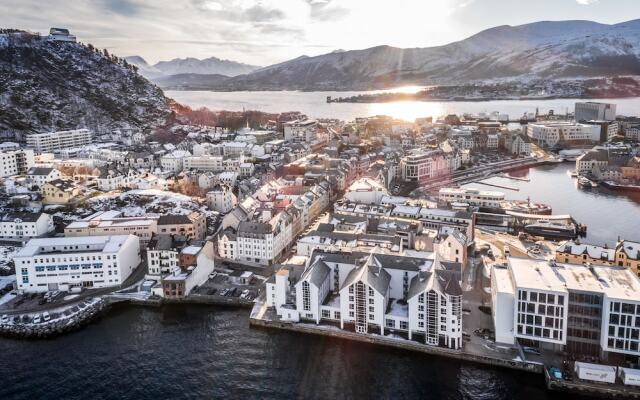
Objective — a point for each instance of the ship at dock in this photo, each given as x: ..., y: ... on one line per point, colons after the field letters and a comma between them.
x: 526, y: 207
x: 552, y: 229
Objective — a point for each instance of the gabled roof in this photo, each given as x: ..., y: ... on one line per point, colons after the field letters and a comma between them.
x: 371, y: 275
x: 316, y: 273
x: 40, y: 171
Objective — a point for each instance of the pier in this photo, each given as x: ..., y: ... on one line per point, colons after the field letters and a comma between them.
x: 515, y: 189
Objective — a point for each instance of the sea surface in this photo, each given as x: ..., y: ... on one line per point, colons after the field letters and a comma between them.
x: 314, y: 104
x: 203, y: 352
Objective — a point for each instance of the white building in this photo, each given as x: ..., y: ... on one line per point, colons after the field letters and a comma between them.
x: 588, y: 111
x: 556, y: 133
x: 584, y: 309
x: 366, y: 191
x: 587, y: 162
x: 372, y: 293
x: 424, y: 165
x: 221, y: 199
x: 79, y: 262
x: 112, y: 222
x: 24, y: 225
x: 48, y: 142
x: 471, y: 196
x: 300, y: 131
x: 15, y: 161
x: 174, y: 161
x: 38, y: 176
x: 61, y: 35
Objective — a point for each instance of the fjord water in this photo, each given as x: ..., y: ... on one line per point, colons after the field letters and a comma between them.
x: 607, y: 214
x: 314, y: 104
x: 198, y: 352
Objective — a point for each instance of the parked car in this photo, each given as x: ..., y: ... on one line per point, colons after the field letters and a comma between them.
x: 4, y: 319
x: 45, y: 316
x: 37, y: 319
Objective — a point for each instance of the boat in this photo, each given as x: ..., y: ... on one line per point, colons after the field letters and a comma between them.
x: 526, y: 207
x: 551, y: 229
x: 585, y: 183
x: 572, y: 173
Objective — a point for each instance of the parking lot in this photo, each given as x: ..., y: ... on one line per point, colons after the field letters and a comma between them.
x: 222, y: 285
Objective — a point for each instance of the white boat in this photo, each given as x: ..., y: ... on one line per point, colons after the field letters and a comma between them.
x: 585, y: 183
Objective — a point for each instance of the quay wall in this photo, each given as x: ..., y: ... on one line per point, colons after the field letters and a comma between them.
x: 400, y: 344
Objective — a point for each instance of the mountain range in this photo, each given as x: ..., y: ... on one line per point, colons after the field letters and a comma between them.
x: 181, y: 66
x: 540, y: 50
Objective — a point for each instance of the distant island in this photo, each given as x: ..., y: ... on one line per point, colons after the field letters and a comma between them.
x: 616, y: 87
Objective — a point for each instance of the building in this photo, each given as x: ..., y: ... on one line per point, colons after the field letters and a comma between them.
x: 193, y: 225
x: 587, y: 162
x: 590, y: 111
x: 79, y: 262
x: 424, y: 165
x: 38, y: 176
x: 21, y: 225
x: 221, y: 199
x: 61, y: 35
x: 104, y: 223
x: 15, y: 161
x: 366, y: 191
x: 300, y: 131
x: 608, y: 129
x: 59, y: 191
x: 183, y: 279
x: 163, y: 253
x: 471, y: 196
x: 48, y: 142
x: 581, y: 309
x: 372, y: 293
x: 561, y: 133
x: 574, y: 252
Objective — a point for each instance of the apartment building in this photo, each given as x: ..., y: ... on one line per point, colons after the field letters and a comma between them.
x: 589, y: 111
x: 560, y: 133
x: 38, y: 176
x: 21, y: 225
x: 51, y: 141
x: 112, y: 222
x: 59, y: 191
x: 581, y: 309
x: 300, y: 131
x: 193, y: 225
x: 163, y: 253
x: 15, y: 161
x: 373, y: 293
x: 424, y: 165
x: 221, y: 199
x: 625, y: 254
x: 77, y: 262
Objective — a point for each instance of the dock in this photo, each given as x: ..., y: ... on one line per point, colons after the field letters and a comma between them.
x: 515, y: 189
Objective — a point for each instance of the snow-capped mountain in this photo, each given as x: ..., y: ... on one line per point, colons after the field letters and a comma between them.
x: 207, y: 66
x: 547, y: 50
x: 48, y: 85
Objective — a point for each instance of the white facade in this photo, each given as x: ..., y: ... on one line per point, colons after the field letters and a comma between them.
x: 474, y: 197
x: 39, y: 176
x: 366, y: 191
x: 420, y: 166
x: 588, y: 111
x: 550, y: 134
x: 65, y: 263
x: 47, y: 142
x: 221, y: 199
x: 22, y: 225
x: 300, y: 131
x: 15, y: 161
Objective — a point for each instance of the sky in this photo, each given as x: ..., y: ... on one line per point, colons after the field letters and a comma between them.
x: 264, y: 32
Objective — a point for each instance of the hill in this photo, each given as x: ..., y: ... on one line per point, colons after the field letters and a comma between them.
x: 49, y: 85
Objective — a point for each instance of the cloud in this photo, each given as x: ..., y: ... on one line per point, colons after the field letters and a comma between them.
x: 586, y: 2
x: 324, y: 10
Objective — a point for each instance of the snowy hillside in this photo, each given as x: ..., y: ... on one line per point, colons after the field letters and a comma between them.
x: 548, y: 49
x: 48, y: 85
